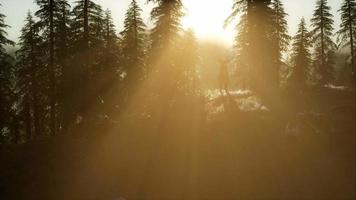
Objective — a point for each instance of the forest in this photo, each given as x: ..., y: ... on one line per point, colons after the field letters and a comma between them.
x: 148, y: 111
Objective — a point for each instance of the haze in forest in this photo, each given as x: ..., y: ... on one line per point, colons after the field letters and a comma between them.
x: 119, y: 99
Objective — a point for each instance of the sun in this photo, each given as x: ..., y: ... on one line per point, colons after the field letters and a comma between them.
x: 206, y: 18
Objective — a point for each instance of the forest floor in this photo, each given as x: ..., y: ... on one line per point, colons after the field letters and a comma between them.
x: 231, y: 155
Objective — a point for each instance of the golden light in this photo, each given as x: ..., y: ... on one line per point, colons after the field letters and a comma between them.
x: 206, y: 18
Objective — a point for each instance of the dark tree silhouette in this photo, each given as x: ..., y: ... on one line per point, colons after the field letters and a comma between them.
x: 133, y: 44
x: 253, y: 42
x: 322, y: 33
x: 87, y: 46
x: 280, y: 35
x: 6, y: 74
x: 29, y: 62
x: 47, y: 15
x: 301, y: 57
x: 163, y: 55
x: 166, y: 15
x: 111, y: 50
x: 62, y: 44
x: 346, y: 34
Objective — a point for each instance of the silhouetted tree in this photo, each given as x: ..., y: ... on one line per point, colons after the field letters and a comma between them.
x: 253, y: 42
x: 346, y: 34
x: 87, y: 25
x: 6, y: 75
x: 63, y: 58
x: 111, y: 50
x: 164, y: 49
x: 322, y: 33
x: 47, y: 15
x: 29, y: 58
x: 166, y: 15
x: 88, y: 40
x: 133, y: 44
x: 280, y: 34
x: 301, y: 57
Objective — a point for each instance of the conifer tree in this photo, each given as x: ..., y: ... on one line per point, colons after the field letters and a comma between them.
x: 346, y: 34
x: 133, y: 43
x: 6, y: 74
x: 165, y: 47
x: 47, y: 15
x: 280, y: 34
x: 88, y: 38
x: 301, y: 57
x: 62, y: 34
x: 29, y: 61
x: 253, y: 42
x: 166, y: 15
x: 241, y: 43
x: 62, y: 58
x: 111, y: 50
x: 322, y: 33
x: 88, y: 23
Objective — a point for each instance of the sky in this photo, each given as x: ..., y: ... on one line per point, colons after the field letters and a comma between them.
x: 205, y: 17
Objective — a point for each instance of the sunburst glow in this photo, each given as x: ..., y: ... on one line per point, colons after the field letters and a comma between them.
x: 207, y: 18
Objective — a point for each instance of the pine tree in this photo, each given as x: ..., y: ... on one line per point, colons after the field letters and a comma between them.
x: 6, y: 74
x: 29, y: 61
x: 62, y: 58
x: 111, y: 50
x: 301, y: 57
x: 133, y: 43
x: 88, y: 23
x: 164, y: 51
x: 62, y: 34
x: 242, y: 38
x: 253, y: 42
x: 322, y: 33
x: 167, y: 15
x: 346, y: 34
x: 280, y: 34
x: 88, y: 40
x: 47, y: 15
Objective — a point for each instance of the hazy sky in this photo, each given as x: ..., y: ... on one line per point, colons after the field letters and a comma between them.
x: 205, y: 16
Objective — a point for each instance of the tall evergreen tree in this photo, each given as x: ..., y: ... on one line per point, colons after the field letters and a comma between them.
x: 62, y: 35
x: 111, y: 50
x: 47, y: 15
x: 88, y: 35
x: 253, y: 42
x: 166, y: 15
x: 241, y: 43
x: 301, y: 57
x: 322, y: 33
x: 62, y: 57
x: 133, y: 43
x: 280, y: 36
x: 347, y: 32
x: 165, y: 46
x: 5, y: 77
x: 88, y: 24
x: 29, y: 61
